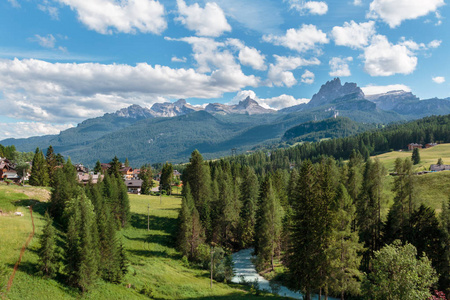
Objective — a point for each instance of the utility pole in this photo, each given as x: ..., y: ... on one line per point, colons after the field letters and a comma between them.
x: 148, y: 217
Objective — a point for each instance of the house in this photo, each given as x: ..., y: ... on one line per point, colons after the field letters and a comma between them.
x: 134, y: 186
x: 176, y: 175
x: 105, y: 167
x: 127, y: 173
x: 85, y: 178
x: 429, y: 145
x: 136, y: 173
x: 7, y: 169
x: 413, y: 146
x: 81, y: 169
x: 438, y: 168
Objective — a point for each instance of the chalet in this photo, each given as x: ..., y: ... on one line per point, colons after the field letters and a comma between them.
x: 105, y: 167
x: 413, y: 146
x: 429, y: 145
x: 127, y: 173
x: 136, y: 173
x: 134, y: 186
x: 438, y: 168
x: 81, y: 169
x: 85, y: 178
x: 7, y: 170
x: 176, y: 174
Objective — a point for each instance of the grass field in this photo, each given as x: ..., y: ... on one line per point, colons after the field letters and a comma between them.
x: 152, y: 255
x: 430, y: 189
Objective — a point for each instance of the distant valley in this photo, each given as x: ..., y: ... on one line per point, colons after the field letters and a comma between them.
x: 171, y: 131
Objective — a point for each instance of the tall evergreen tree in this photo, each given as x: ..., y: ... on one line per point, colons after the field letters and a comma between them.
x: 123, y: 203
x: 344, y: 249
x: 115, y: 166
x: 249, y: 200
x: 98, y: 167
x: 269, y: 224
x: 190, y: 234
x: 305, y: 252
x: 127, y: 162
x: 50, y: 160
x: 47, y: 251
x: 198, y: 176
x: 444, y: 280
x: 39, y: 171
x: 165, y: 183
x: 415, y: 156
x: 146, y: 176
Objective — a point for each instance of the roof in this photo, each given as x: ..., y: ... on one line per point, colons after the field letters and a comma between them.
x: 135, y: 183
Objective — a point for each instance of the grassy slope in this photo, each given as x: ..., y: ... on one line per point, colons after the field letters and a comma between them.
x: 152, y: 256
x: 431, y: 189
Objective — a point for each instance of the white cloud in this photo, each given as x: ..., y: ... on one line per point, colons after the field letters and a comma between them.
x: 434, y: 44
x: 277, y: 103
x: 127, y: 16
x: 353, y: 35
x: 306, y: 38
x: 357, y: 2
x: 313, y: 7
x: 308, y: 77
x: 280, y: 73
x: 439, y: 79
x: 178, y: 59
x: 51, y: 10
x: 69, y: 92
x: 381, y: 89
x: 208, y: 21
x: 394, y: 12
x: 28, y: 129
x: 14, y: 3
x: 45, y: 41
x: 339, y: 66
x: 381, y: 58
x: 249, y: 56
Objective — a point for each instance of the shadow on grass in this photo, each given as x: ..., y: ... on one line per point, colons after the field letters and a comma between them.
x: 168, y: 225
x: 38, y: 206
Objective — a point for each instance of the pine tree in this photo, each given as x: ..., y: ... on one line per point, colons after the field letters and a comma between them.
x: 415, y: 156
x: 115, y: 167
x: 440, y: 162
x: 269, y: 224
x: 98, y: 167
x: 47, y: 251
x: 305, y: 252
x: 165, y: 183
x: 249, y: 199
x: 190, y: 234
x: 344, y: 249
x: 123, y: 203
x: 51, y: 163
x: 127, y: 162
x: 39, y: 171
x: 445, y: 227
x: 147, y: 179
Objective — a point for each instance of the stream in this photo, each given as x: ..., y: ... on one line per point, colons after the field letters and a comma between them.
x: 243, y: 267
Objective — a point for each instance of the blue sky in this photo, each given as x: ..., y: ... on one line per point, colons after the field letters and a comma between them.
x: 63, y: 61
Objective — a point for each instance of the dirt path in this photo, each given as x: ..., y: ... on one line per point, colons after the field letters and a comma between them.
x: 22, y: 251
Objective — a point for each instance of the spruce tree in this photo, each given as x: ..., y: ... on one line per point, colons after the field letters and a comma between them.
x: 48, y: 262
x: 115, y: 167
x: 127, y: 162
x: 98, y: 167
x: 344, y: 249
x: 165, y: 183
x: 39, y: 171
x: 123, y: 203
x: 51, y: 163
x: 249, y: 200
x: 147, y: 179
x: 269, y: 224
x: 415, y: 156
x: 444, y: 280
x: 198, y: 176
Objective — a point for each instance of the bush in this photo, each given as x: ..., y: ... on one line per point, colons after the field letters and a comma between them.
x: 147, y: 290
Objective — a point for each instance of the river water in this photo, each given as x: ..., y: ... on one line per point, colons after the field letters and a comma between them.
x: 243, y: 267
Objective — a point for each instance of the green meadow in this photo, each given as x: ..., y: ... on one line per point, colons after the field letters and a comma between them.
x: 153, y: 259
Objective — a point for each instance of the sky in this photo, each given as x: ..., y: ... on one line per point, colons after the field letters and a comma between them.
x: 64, y: 61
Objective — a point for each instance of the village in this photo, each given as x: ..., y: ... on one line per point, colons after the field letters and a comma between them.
x: 9, y: 174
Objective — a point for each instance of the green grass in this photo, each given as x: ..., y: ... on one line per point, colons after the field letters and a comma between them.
x: 153, y: 257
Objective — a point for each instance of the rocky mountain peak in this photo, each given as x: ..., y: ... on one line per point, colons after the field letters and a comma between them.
x: 247, y: 102
x: 332, y: 90
x: 134, y: 112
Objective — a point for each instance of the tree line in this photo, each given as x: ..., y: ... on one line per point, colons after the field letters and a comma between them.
x: 324, y: 221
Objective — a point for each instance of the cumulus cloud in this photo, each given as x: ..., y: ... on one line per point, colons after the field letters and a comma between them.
x: 46, y: 7
x: 28, y: 129
x: 394, y: 12
x: 38, y: 90
x: 312, y: 7
x: 434, y: 44
x: 381, y: 58
x: 249, y: 56
x: 339, y: 66
x: 357, y: 2
x: 127, y: 16
x: 381, y: 89
x: 280, y: 73
x: 306, y: 38
x: 439, y: 79
x: 353, y: 35
x: 14, y: 3
x: 308, y: 77
x: 278, y: 102
x: 208, y: 21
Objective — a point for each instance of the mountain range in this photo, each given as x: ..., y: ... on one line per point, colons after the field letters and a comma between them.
x: 171, y: 131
